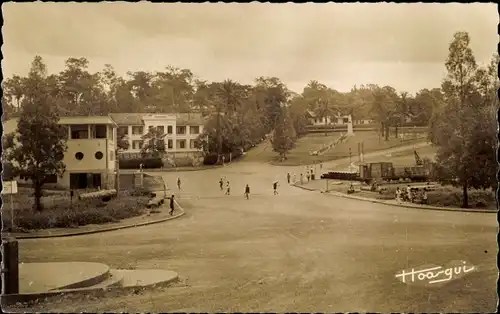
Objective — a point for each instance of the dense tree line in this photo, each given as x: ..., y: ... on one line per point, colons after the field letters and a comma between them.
x: 239, y: 116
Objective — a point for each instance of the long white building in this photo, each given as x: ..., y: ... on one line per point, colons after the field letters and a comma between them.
x: 181, y: 130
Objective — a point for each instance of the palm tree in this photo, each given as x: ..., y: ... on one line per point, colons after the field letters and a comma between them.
x: 230, y: 95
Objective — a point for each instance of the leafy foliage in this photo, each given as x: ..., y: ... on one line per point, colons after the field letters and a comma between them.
x: 36, y: 150
x: 154, y: 143
x: 466, y: 152
x: 284, y: 135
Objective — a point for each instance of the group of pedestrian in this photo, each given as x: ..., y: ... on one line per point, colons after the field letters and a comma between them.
x: 290, y: 179
x: 247, y: 188
x: 411, y: 195
x: 228, y: 186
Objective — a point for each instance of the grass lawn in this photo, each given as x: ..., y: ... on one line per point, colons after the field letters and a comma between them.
x: 300, y: 155
x: 59, y: 212
x: 443, y: 196
x: 405, y: 157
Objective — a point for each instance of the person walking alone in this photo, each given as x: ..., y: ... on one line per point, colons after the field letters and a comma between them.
x: 247, y: 191
x: 301, y: 178
x: 398, y: 195
x: 288, y: 177
x: 294, y: 178
x: 275, y: 187
x: 172, y: 205
x: 179, y: 183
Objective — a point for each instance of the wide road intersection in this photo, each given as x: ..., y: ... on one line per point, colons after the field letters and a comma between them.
x: 298, y: 251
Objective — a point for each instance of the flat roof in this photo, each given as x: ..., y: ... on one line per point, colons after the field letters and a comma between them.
x: 87, y: 120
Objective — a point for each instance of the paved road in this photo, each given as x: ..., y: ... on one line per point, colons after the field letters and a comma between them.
x: 298, y: 251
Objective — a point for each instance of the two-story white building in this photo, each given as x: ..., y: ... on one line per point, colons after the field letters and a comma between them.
x: 90, y: 158
x: 180, y: 130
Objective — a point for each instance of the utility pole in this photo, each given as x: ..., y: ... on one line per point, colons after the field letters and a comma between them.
x: 350, y: 159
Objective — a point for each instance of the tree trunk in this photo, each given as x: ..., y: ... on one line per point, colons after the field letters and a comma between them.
x: 38, y: 196
x: 218, y: 138
x: 382, y: 128
x: 465, y: 202
x: 386, y: 132
x: 396, y: 131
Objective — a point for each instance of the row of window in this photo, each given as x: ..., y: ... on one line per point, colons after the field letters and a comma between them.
x: 86, y: 131
x: 181, y: 144
x: 139, y: 130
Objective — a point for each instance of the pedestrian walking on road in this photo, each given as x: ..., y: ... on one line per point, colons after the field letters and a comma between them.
x: 301, y: 178
x: 275, y: 187
x: 288, y: 177
x: 179, y: 183
x: 221, y: 184
x: 247, y: 191
x: 308, y: 176
x: 228, y: 189
x: 409, y: 194
x: 398, y: 195
x: 294, y: 178
x: 172, y: 205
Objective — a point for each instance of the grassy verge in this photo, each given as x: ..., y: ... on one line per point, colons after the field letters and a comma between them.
x: 60, y: 212
x: 300, y: 155
x: 443, y: 196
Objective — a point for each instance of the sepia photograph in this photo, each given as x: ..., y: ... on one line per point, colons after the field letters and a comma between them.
x: 249, y: 157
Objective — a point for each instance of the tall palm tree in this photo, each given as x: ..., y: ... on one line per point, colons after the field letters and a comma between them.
x: 230, y: 95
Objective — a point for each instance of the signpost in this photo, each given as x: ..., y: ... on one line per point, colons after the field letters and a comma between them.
x: 10, y: 187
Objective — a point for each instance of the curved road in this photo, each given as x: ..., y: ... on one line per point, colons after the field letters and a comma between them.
x: 298, y: 251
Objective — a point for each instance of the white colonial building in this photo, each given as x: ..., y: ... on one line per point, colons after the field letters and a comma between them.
x: 337, y: 119
x: 180, y: 130
x: 90, y: 158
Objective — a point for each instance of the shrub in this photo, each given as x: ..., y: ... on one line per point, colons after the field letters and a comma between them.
x: 61, y: 215
x: 147, y: 163
x: 211, y: 159
x: 453, y: 198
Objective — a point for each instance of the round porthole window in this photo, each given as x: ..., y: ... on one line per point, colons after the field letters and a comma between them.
x: 99, y: 155
x: 79, y: 155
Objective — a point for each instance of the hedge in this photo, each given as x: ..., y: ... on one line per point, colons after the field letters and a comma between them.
x: 147, y: 163
x: 211, y: 159
x: 60, y: 214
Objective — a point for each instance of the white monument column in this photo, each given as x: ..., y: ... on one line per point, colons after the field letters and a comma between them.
x: 350, y: 131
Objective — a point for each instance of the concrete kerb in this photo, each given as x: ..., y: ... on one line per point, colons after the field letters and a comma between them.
x: 12, y: 299
x: 104, y: 229
x: 180, y: 169
x: 400, y: 205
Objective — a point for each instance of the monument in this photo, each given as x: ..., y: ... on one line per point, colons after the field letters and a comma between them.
x: 350, y: 131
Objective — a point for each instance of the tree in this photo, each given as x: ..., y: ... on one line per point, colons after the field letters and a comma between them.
x: 36, y: 150
x: 81, y: 90
x: 13, y: 89
x: 284, y: 136
x: 154, y: 143
x: 298, y: 109
x: 384, y: 107
x: 466, y: 152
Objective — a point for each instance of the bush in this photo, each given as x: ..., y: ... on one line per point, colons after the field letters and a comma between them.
x: 81, y: 213
x: 147, y: 163
x: 453, y: 198
x: 211, y: 159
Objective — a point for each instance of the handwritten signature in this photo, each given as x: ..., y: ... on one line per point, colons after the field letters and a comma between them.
x: 435, y: 274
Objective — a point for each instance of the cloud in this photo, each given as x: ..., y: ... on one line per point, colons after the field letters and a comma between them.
x: 295, y: 42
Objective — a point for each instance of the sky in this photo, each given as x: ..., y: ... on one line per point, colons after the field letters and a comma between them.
x: 339, y: 45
